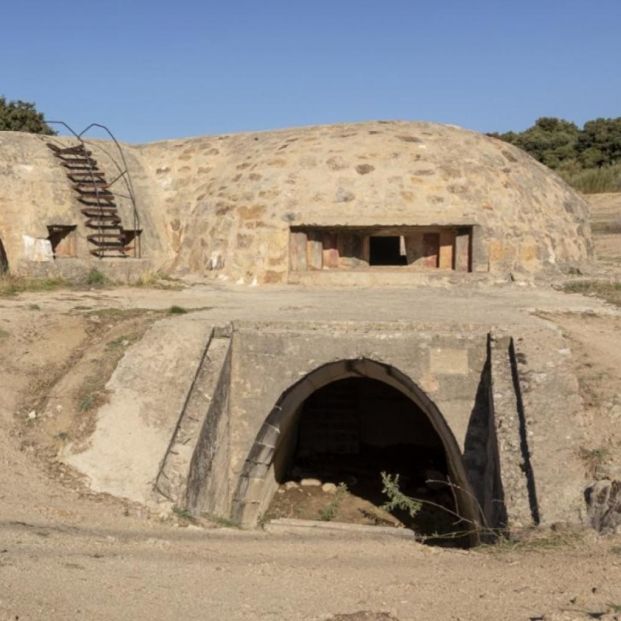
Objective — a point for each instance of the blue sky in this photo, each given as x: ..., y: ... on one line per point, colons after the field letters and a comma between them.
x: 155, y: 69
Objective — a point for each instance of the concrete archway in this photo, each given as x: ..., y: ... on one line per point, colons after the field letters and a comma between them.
x: 258, y: 480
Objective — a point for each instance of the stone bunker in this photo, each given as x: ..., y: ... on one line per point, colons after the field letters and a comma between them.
x: 238, y: 408
x: 261, y: 404
x: 359, y: 202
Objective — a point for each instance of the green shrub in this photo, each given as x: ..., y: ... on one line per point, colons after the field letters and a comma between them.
x: 330, y: 511
x: 396, y: 498
x: 95, y: 278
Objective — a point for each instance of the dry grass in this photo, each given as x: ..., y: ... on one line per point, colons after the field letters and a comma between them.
x: 594, y: 180
x: 12, y: 285
x: 158, y: 280
x: 594, y: 458
x: 608, y: 291
x: 536, y: 539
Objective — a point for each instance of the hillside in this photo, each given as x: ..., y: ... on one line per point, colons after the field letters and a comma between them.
x: 606, y: 225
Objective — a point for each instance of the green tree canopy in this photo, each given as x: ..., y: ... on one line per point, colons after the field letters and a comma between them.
x: 551, y: 141
x: 561, y: 144
x: 589, y: 157
x: 22, y: 116
x: 599, y: 142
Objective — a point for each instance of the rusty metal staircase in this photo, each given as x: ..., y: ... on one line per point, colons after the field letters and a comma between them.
x: 98, y: 201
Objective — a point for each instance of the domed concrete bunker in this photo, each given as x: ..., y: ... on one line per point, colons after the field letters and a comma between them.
x: 375, y: 201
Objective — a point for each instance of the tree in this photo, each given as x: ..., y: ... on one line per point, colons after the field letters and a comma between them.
x: 550, y: 140
x: 587, y: 158
x: 22, y: 116
x: 600, y: 142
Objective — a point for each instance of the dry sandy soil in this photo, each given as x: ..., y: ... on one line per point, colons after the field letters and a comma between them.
x: 67, y: 553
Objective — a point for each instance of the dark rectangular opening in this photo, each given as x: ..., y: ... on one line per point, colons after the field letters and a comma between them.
x: 386, y: 251
x: 131, y: 241
x: 63, y: 240
x: 422, y: 247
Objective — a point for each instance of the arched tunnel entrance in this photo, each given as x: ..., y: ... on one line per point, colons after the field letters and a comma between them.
x: 337, y: 434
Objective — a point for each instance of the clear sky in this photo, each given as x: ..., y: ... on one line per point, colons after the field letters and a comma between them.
x: 153, y: 69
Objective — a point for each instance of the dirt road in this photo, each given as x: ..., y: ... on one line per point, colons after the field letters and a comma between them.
x: 61, y: 572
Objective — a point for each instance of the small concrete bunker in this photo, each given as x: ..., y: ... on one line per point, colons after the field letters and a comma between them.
x: 275, y: 403
x: 353, y: 419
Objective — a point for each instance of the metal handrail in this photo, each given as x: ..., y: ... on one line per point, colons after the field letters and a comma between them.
x: 123, y: 172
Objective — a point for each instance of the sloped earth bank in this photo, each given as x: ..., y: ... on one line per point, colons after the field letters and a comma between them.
x: 606, y: 226
x: 67, y: 553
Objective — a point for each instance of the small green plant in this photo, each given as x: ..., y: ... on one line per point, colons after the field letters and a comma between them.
x: 95, y: 278
x: 34, y: 307
x: 330, y: 511
x: 4, y: 334
x: 120, y: 341
x: 177, y: 310
x: 396, y: 498
x: 184, y: 514
x: 593, y: 180
x: 86, y: 403
x: 224, y: 522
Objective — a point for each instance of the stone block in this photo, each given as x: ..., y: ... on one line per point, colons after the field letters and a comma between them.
x: 449, y: 361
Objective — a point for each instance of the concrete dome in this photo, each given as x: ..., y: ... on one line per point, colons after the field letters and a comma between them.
x: 235, y: 199
x: 275, y: 206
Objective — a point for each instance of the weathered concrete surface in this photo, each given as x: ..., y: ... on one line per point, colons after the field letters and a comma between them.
x: 269, y: 358
x: 604, y: 505
x: 207, y: 492
x: 147, y: 391
x: 196, y: 442
x: 511, y: 429
x: 511, y: 436
x: 552, y: 411
x: 35, y: 192
x: 223, y: 205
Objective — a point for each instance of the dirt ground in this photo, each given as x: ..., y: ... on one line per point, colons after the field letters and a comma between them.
x: 68, y: 553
